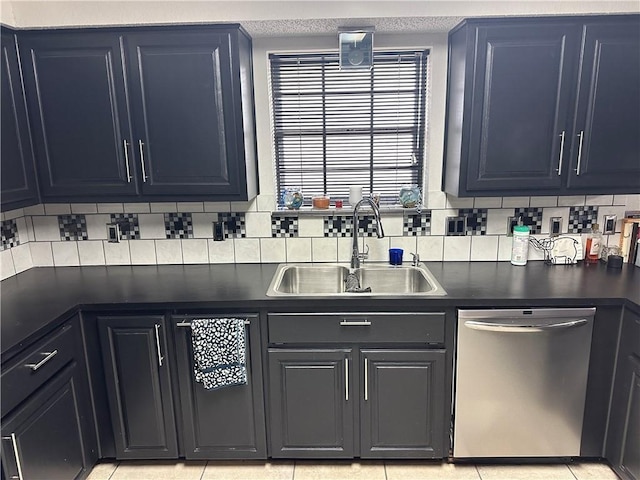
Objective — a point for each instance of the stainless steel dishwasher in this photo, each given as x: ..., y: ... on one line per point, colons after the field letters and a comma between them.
x: 521, y: 378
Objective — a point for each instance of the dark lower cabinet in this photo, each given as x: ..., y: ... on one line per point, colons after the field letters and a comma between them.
x: 312, y: 403
x: 623, y: 439
x: 136, y: 371
x: 17, y: 183
x: 227, y: 422
x: 402, y: 403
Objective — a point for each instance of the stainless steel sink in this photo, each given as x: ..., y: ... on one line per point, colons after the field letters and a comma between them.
x: 328, y: 279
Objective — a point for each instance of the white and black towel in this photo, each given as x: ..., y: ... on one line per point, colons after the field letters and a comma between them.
x: 219, y: 352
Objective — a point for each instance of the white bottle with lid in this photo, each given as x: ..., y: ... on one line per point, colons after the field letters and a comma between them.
x: 520, y: 245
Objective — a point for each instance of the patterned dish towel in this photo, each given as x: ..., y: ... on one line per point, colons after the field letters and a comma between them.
x: 219, y: 352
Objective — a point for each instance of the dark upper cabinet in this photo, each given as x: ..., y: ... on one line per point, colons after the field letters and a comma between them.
x: 402, y: 403
x: 143, y: 114
x: 527, y: 98
x: 623, y: 438
x: 78, y: 106
x: 606, y: 140
x: 226, y: 422
x: 136, y: 371
x: 18, y: 185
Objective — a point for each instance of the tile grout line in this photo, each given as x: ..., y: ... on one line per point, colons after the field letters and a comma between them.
x: 206, y: 464
x: 571, y: 471
x: 477, y: 471
x: 114, y: 471
x: 293, y: 471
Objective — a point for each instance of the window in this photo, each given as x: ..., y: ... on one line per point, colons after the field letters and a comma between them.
x: 333, y: 128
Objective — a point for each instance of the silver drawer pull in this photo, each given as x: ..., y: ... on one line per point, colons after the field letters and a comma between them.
x: 49, y: 356
x: 346, y: 379
x: 357, y: 323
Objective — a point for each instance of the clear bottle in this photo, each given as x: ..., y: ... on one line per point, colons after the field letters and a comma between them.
x: 520, y: 244
x: 593, y: 245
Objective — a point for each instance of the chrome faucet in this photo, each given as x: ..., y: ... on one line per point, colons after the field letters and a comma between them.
x: 356, y: 256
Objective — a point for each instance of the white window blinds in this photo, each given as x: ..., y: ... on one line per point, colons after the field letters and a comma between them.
x: 333, y: 128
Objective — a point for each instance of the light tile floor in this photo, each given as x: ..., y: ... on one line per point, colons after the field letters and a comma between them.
x: 335, y: 470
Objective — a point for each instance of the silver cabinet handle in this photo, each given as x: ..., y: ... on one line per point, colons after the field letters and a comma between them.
x: 126, y: 159
x: 14, y: 444
x: 559, y: 169
x: 144, y: 172
x: 160, y: 357
x: 581, y: 135
x: 366, y: 379
x: 359, y: 323
x: 523, y: 328
x: 49, y: 356
x: 346, y: 379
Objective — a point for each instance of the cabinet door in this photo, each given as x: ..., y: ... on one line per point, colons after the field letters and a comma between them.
x: 46, y: 438
x: 18, y: 182
x: 184, y: 112
x: 311, y: 403
x: 606, y: 141
x: 138, y: 386
x: 521, y: 96
x: 76, y: 94
x: 227, y: 422
x: 402, y: 403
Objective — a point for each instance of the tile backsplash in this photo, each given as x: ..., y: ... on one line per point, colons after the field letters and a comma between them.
x: 183, y: 233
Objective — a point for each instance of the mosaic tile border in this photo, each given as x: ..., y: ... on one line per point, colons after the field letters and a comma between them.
x: 73, y: 227
x: 178, y: 225
x: 235, y: 224
x: 10, y: 234
x: 416, y: 224
x: 475, y: 220
x: 282, y: 226
x: 129, y: 226
x: 581, y: 219
x: 531, y: 217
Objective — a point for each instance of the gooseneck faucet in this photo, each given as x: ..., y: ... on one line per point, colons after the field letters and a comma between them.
x: 356, y: 256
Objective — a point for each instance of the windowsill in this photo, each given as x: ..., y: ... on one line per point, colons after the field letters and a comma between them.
x: 308, y: 211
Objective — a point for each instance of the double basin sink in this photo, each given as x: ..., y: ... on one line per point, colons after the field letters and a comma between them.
x: 329, y: 279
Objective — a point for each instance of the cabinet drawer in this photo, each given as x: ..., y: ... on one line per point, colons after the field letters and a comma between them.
x: 37, y: 365
x: 356, y: 327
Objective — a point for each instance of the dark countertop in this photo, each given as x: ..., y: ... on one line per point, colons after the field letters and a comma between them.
x: 33, y: 300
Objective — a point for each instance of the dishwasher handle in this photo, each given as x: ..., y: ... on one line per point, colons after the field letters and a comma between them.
x: 523, y: 327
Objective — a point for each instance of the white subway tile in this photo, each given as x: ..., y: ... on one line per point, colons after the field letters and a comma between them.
x: 11, y: 214
x: 632, y: 202
x: 221, y: 252
x: 152, y: 226
x: 23, y: 233
x: 34, y: 210
x: 250, y: 206
x: 97, y: 226
x: 117, y: 253
x: 169, y: 252
x: 393, y: 225
x: 203, y: 224
x: 550, y: 201
x: 7, y: 269
x: 484, y: 248
x: 41, y: 254
x: 65, y: 254
x: 217, y: 207
x: 190, y: 207
x: 91, y: 252
x: 487, y: 202
x: 266, y: 203
x: 408, y: 244
x: 84, y: 208
x: 163, y: 207
x: 139, y: 207
x: 457, y: 248
x: 430, y: 248
x: 110, y: 208
x: 535, y: 254
x: 497, y: 220
x: 599, y: 200
x: 438, y: 220
x: 258, y: 224
x: 455, y: 202
x: 324, y: 249
x: 194, y: 250
x: 247, y: 250
x: 344, y: 249
x: 378, y: 248
x: 436, y: 200
x: 613, y: 240
x: 22, y: 258
x: 273, y: 250
x: 57, y: 208
x: 310, y: 226
x: 504, y: 248
x: 31, y: 234
x: 46, y: 228
x: 142, y: 252
x: 571, y: 201
x: 298, y: 249
x: 515, y: 202
x: 619, y: 199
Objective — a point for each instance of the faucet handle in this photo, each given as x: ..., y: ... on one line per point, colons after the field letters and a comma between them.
x: 364, y: 255
x: 416, y: 259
